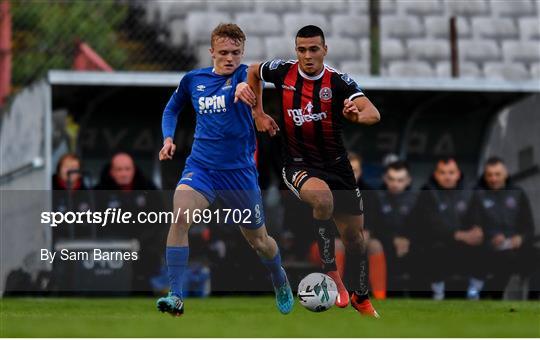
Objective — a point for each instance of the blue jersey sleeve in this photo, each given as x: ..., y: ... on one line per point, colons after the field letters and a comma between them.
x: 173, y: 108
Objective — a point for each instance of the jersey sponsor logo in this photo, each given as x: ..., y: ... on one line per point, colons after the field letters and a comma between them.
x: 214, y: 104
x: 325, y: 94
x: 201, y: 88
x: 305, y: 115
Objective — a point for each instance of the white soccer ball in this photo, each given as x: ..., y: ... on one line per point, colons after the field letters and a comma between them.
x: 317, y: 292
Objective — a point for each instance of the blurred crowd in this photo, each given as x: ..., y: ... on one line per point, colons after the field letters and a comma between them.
x: 122, y: 185
x: 442, y: 240
x: 482, y: 234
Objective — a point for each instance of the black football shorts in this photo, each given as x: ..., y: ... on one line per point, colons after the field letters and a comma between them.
x: 340, y: 180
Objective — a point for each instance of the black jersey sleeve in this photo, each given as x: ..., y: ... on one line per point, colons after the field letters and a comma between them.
x: 274, y: 71
x: 348, y: 88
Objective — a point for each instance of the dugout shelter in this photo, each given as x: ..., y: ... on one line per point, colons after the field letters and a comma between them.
x: 98, y: 113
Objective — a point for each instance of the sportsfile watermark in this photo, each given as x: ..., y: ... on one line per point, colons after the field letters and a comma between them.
x: 100, y: 240
x: 120, y: 216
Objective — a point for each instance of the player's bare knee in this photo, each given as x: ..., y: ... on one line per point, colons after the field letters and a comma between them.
x: 181, y: 223
x: 181, y: 229
x: 258, y: 243
x: 323, y: 206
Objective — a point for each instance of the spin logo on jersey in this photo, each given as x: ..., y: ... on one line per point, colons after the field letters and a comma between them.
x: 301, y: 116
x: 214, y: 104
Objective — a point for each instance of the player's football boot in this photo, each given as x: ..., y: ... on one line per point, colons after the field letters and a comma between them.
x: 363, y: 307
x: 342, y: 299
x: 284, y: 296
x: 171, y: 304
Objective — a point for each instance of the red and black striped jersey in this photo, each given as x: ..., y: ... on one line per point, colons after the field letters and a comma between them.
x: 311, y: 111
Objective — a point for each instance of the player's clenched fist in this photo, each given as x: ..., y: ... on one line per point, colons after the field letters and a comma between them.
x: 168, y: 149
x: 265, y: 123
x: 350, y: 110
x: 245, y: 94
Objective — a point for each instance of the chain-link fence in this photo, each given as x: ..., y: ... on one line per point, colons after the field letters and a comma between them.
x: 46, y: 35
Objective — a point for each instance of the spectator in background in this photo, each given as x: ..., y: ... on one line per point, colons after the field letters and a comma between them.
x: 122, y: 174
x: 451, y: 244
x: 504, y: 213
x: 123, y: 186
x: 375, y: 252
x: 392, y: 225
x: 356, y: 164
x: 68, y: 175
x: 69, y: 194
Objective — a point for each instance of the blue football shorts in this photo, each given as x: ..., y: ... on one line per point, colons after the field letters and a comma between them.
x: 237, y: 189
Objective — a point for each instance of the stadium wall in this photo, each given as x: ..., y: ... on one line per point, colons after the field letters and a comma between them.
x: 25, y: 169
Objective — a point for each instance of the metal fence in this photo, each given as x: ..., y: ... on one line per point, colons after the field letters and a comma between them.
x: 47, y: 34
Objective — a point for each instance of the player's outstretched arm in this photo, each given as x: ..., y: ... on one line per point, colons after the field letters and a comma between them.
x: 361, y: 111
x: 263, y: 122
x: 170, y: 118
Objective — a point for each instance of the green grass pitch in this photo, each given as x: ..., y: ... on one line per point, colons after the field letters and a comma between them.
x: 258, y: 317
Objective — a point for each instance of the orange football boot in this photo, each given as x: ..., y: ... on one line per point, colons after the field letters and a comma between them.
x: 342, y: 299
x: 363, y: 307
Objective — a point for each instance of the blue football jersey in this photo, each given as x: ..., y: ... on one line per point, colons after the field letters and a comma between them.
x: 224, y: 133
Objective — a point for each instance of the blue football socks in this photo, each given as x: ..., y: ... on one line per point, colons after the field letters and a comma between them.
x: 276, y: 271
x: 177, y: 259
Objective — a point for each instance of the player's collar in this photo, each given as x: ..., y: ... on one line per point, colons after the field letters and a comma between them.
x: 222, y: 75
x: 317, y: 77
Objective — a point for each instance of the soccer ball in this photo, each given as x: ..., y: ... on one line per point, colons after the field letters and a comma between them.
x: 317, y: 292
